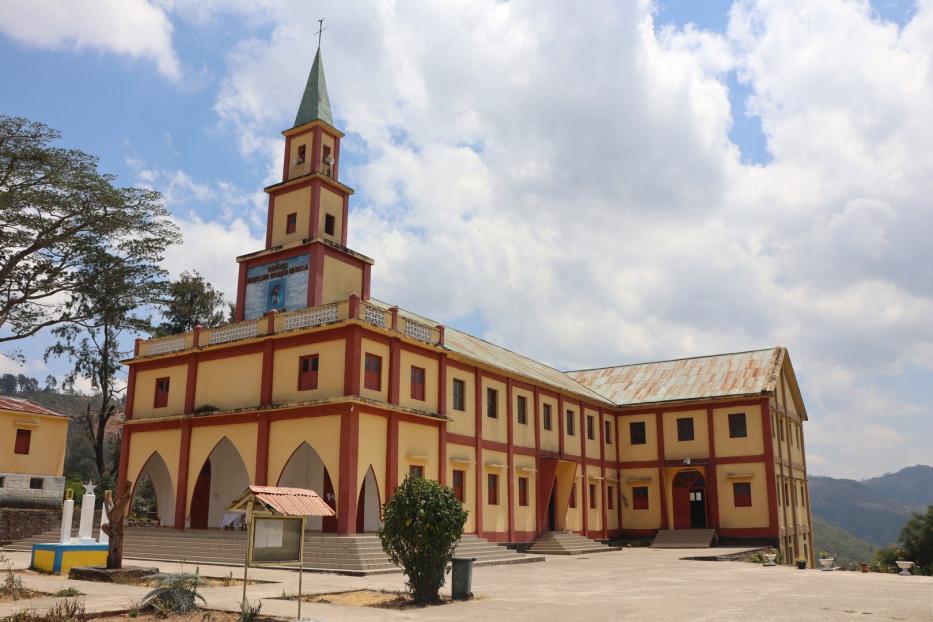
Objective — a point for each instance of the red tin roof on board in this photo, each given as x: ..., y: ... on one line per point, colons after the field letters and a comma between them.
x: 25, y: 406
x: 292, y: 501
x: 722, y: 375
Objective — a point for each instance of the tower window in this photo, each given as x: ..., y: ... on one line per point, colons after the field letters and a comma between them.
x: 607, y: 431
x: 492, y: 398
x: 590, y: 427
x: 459, y: 394
x: 737, y: 427
x: 302, y: 150
x: 636, y: 432
x: 327, y: 162
x: 685, y: 429
x: 522, y: 414
x: 546, y: 416
x: 373, y: 377
x: 291, y: 223
x: 570, y: 423
x: 307, y: 372
x: 161, y: 393
x: 417, y: 383
x: 23, y: 439
x: 330, y: 224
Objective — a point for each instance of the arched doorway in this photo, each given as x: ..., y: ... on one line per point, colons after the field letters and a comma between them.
x: 153, y: 493
x: 305, y: 469
x: 689, y: 500
x: 368, y: 508
x: 222, y: 478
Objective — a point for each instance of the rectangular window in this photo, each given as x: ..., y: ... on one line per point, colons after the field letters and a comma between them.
x: 522, y: 414
x: 23, y: 438
x: 307, y: 372
x: 685, y: 429
x: 2, y: 481
x: 737, y: 426
x: 161, y: 393
x: 636, y: 432
x: 492, y: 489
x: 492, y: 399
x: 330, y: 224
x: 302, y: 152
x: 416, y: 471
x: 797, y: 433
x: 546, y: 416
x: 523, y: 491
x: 373, y: 377
x: 570, y: 423
x: 459, y: 394
x: 291, y: 223
x: 417, y: 383
x: 610, y: 493
x: 590, y: 427
x: 573, y: 495
x: 781, y: 430
x: 607, y: 430
x: 327, y: 167
x: 785, y: 494
x: 640, y: 498
x: 742, y: 493
x: 592, y: 496
x: 35, y: 483
x: 459, y: 479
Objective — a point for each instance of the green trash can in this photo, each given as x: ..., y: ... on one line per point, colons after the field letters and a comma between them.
x: 462, y: 581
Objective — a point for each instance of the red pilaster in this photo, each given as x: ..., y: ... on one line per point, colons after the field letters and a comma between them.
x: 349, y: 454
x: 262, y: 450
x: 269, y: 221
x: 442, y: 384
x: 395, y: 370
x: 265, y: 385
x: 442, y: 453
x: 346, y: 216
x: 336, y: 176
x: 367, y: 272
x: 240, y: 309
x: 560, y: 425
x: 712, y: 477
x: 392, y: 456
x: 181, y: 493
x: 586, y: 475
x: 662, y: 485
x: 539, y: 486
x: 287, y: 160
x: 352, y: 362
x: 130, y: 394
x: 316, y: 276
x: 478, y: 436
x: 601, y: 435
x: 191, y: 383
x: 768, y: 441
x: 316, y: 148
x: 509, y: 462
x: 618, y: 423
x: 314, y: 222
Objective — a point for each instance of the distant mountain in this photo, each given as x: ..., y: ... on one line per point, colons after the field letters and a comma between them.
x: 846, y: 548
x: 874, y: 509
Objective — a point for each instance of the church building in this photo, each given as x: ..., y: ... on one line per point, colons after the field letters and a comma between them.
x: 319, y: 385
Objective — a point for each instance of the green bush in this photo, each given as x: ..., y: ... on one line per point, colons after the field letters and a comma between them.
x: 249, y: 612
x: 917, y: 541
x: 422, y: 523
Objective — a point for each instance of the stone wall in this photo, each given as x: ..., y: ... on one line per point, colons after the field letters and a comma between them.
x: 17, y: 523
x: 16, y: 492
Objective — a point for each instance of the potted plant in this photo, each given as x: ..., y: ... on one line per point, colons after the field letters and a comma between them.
x: 864, y: 566
x: 905, y: 567
x: 826, y: 561
x: 801, y: 563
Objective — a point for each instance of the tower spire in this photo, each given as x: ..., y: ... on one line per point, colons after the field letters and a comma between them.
x: 315, y: 104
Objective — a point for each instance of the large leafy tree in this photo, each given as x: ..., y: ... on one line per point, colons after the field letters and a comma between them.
x: 191, y: 301
x: 59, y: 216
x: 917, y: 540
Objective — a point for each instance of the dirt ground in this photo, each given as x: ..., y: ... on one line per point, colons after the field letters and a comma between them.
x: 198, y: 616
x: 369, y: 598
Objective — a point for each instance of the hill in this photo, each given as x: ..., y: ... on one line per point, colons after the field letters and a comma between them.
x: 846, y: 548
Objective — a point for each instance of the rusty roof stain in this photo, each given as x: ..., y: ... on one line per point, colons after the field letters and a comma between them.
x: 287, y: 501
x: 17, y: 404
x: 702, y: 377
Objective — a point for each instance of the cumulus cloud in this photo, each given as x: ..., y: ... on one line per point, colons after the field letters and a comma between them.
x: 136, y: 28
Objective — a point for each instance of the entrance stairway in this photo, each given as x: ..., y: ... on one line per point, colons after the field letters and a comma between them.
x: 358, y: 554
x: 567, y: 543
x: 684, y: 539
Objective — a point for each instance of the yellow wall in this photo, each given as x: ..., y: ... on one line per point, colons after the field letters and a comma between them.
x: 731, y: 516
x: 429, y: 365
x: 373, y: 433
x: 641, y: 519
x: 523, y: 435
x: 205, y: 438
x: 550, y: 439
x: 331, y: 203
x: 144, y: 395
x: 464, y: 421
x: 524, y: 466
x: 495, y: 429
x: 340, y: 280
x: 46, y: 444
x: 751, y: 445
x: 573, y: 443
x: 231, y: 382
x: 612, y: 508
x: 143, y: 444
x: 463, y: 458
x: 697, y: 448
x: 321, y: 433
x: 330, y: 372
x: 294, y: 202
x: 495, y: 517
x: 369, y: 346
x: 417, y: 444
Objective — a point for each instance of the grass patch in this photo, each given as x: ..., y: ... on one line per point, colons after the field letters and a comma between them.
x: 68, y: 592
x: 380, y: 599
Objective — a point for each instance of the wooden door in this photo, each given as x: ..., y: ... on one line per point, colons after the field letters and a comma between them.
x: 201, y: 498
x: 689, y: 492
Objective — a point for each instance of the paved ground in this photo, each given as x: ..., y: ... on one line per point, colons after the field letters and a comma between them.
x: 634, y: 584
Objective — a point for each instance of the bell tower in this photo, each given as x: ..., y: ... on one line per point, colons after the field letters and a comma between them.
x: 305, y: 261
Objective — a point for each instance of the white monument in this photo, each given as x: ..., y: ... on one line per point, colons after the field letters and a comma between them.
x: 68, y: 509
x: 86, y: 526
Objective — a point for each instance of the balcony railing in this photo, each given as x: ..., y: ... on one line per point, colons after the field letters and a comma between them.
x: 276, y: 323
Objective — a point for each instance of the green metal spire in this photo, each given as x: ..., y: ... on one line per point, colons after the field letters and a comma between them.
x: 314, y: 103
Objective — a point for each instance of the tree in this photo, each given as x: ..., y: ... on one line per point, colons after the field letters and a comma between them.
x: 191, y: 301
x: 917, y: 540
x: 51, y: 384
x: 26, y: 384
x: 8, y: 384
x: 117, y: 509
x: 423, y: 521
x: 116, y: 288
x: 57, y: 213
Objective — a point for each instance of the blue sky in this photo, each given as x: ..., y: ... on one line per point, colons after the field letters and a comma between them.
x: 733, y: 177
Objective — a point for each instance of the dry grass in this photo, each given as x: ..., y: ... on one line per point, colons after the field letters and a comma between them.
x: 369, y: 598
x: 196, y: 616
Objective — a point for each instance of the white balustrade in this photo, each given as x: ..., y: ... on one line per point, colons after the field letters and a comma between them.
x: 165, y: 345
x: 315, y: 316
x: 233, y: 332
x: 374, y: 315
x: 418, y: 331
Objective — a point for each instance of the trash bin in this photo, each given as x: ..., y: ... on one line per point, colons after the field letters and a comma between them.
x: 462, y: 580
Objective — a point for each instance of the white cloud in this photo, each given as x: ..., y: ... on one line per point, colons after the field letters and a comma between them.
x: 136, y: 28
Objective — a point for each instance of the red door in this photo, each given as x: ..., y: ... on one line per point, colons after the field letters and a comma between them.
x: 689, y: 496
x: 201, y: 498
x: 681, y: 507
x: 329, y: 523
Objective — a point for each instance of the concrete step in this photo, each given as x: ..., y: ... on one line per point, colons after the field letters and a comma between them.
x: 684, y: 539
x: 566, y: 543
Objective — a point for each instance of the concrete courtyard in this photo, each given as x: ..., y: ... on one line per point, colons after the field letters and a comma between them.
x: 633, y: 584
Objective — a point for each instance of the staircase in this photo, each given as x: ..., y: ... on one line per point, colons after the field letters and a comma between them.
x: 684, y: 539
x: 357, y: 554
x: 567, y: 543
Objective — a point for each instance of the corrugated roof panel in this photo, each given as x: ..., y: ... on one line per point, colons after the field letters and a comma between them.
x: 26, y: 406
x: 292, y: 501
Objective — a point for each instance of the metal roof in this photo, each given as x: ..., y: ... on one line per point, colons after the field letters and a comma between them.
x: 285, y: 501
x: 17, y: 404
x: 315, y: 104
x: 722, y: 375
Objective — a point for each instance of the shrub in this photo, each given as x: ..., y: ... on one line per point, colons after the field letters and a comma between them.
x: 174, y: 594
x: 68, y: 591
x: 248, y: 611
x: 422, y: 523
x: 917, y: 541
x: 12, y: 586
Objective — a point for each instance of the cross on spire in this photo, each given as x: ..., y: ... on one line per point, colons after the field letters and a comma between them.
x: 320, y: 31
